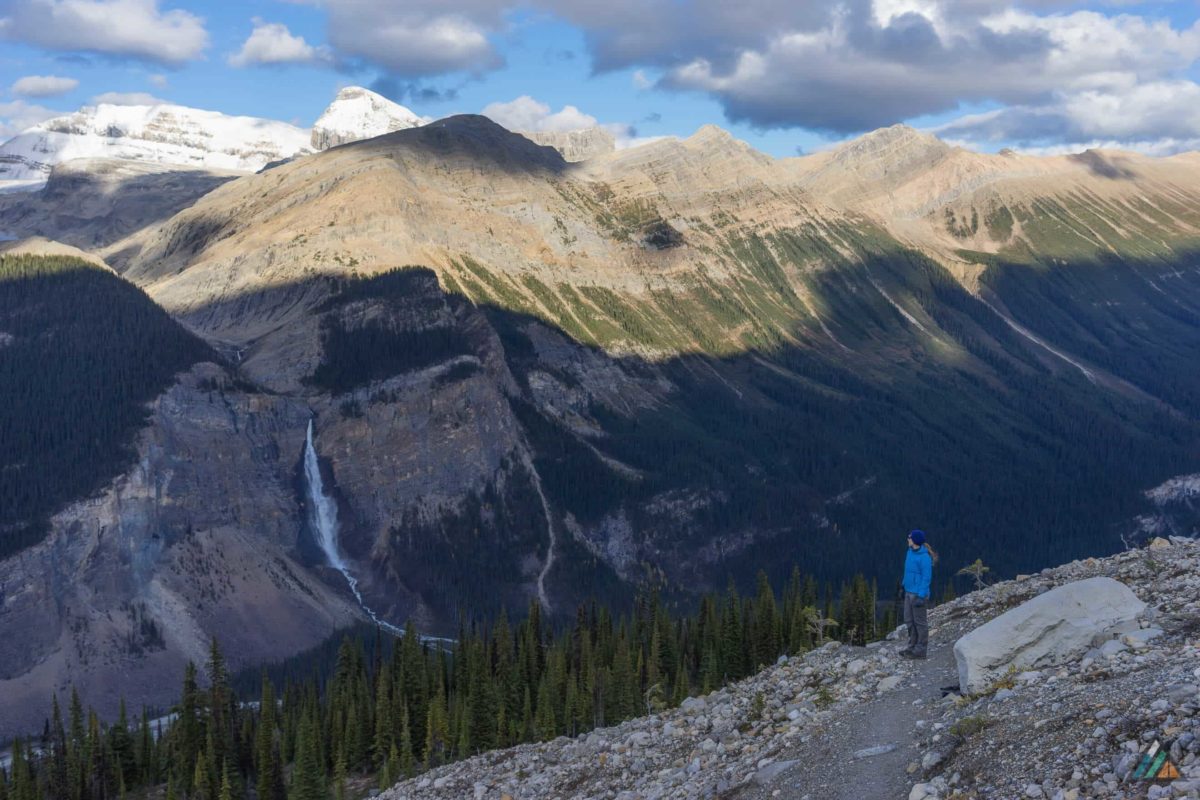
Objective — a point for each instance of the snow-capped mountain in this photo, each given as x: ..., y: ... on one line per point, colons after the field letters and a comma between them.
x: 165, y: 134
x: 358, y: 113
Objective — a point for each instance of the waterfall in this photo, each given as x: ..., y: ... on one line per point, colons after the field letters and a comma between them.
x: 323, y: 516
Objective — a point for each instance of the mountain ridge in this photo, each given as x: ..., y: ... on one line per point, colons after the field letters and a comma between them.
x: 162, y: 133
x: 668, y: 364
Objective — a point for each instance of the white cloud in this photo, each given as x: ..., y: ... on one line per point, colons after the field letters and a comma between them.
x: 134, y: 28
x: 129, y: 99
x: 1159, y: 117
x: 840, y: 66
x: 43, y: 85
x: 20, y: 115
x: 418, y: 38
x: 527, y: 114
x: 158, y: 80
x: 272, y: 43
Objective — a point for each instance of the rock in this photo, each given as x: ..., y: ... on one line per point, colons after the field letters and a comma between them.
x: 772, y: 771
x: 878, y: 750
x: 856, y: 666
x: 693, y: 705
x: 1112, y: 648
x: 935, y: 760
x: 922, y: 791
x: 1181, y: 693
x: 1140, y: 639
x: 889, y: 683
x: 1052, y: 628
x: 639, y: 739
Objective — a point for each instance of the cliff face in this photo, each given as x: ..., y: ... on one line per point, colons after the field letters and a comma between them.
x: 202, y: 537
x: 575, y: 145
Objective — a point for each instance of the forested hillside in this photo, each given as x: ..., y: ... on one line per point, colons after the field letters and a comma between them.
x: 374, y: 709
x: 81, y: 353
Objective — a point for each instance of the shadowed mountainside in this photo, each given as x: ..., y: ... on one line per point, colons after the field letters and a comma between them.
x: 672, y: 365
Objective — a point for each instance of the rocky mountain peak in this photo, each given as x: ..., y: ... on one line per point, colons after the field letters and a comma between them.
x: 476, y: 137
x: 892, y: 147
x: 357, y: 113
x: 578, y: 145
x: 713, y: 137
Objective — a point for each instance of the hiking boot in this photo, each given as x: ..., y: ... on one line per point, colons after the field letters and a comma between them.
x: 912, y: 655
x: 904, y: 651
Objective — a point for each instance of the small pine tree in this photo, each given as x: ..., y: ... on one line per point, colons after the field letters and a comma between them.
x: 407, y: 761
x: 308, y: 773
x: 226, y: 783
x: 339, y: 777
x: 437, y: 732
x: 976, y: 570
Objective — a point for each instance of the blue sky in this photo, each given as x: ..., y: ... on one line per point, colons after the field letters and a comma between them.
x: 786, y: 76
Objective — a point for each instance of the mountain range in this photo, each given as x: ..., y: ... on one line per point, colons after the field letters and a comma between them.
x: 165, y: 133
x: 538, y: 366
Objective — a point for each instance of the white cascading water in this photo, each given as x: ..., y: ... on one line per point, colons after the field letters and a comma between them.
x: 323, y: 512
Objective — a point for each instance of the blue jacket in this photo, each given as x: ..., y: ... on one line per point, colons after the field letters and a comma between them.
x: 918, y: 571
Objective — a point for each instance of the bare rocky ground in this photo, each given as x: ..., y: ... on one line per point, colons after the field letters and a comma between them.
x: 842, y: 722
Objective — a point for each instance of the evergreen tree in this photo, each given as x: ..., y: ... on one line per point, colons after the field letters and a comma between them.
x: 266, y: 753
x: 437, y: 731
x: 308, y: 773
x: 226, y: 792
x: 407, y: 760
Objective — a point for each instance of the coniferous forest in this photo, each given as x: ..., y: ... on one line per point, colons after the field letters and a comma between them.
x: 377, y: 709
x: 81, y: 353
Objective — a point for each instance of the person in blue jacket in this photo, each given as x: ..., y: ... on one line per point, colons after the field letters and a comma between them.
x: 918, y: 572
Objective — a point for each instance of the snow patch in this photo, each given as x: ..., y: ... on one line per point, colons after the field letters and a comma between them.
x: 165, y: 134
x: 357, y: 113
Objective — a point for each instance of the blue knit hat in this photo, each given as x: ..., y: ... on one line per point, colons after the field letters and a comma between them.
x: 918, y: 537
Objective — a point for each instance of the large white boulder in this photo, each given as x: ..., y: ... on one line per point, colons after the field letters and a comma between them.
x: 1052, y: 628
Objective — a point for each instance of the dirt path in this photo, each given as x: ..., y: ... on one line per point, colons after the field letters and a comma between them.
x: 827, y: 768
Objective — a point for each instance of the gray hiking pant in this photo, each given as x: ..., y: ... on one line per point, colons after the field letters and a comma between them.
x: 918, y: 623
